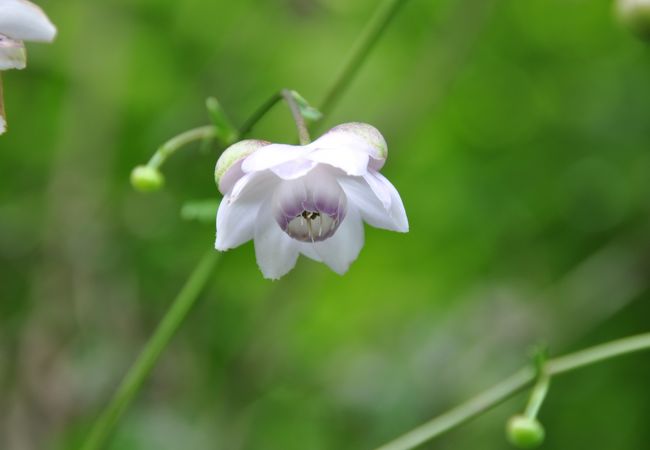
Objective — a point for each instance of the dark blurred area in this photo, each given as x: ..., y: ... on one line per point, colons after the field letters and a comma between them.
x: 518, y: 136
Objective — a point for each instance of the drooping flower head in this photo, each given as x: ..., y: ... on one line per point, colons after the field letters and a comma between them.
x: 310, y: 199
x: 20, y: 21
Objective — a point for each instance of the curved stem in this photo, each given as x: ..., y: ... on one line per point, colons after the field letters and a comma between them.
x: 362, y: 47
x: 303, y: 133
x: 513, y: 384
x: 145, y: 362
x: 171, y: 146
x: 259, y: 113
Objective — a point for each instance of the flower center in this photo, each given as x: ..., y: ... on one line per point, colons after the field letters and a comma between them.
x: 310, y: 209
x: 312, y: 226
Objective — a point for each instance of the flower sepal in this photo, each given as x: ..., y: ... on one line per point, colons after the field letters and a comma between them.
x: 228, y: 168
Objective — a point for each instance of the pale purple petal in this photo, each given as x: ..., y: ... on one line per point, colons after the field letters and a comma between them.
x: 22, y: 20
x: 381, y: 207
x: 351, y: 161
x: 293, y: 169
x: 228, y: 168
x: 359, y: 137
x: 238, y: 209
x: 309, y: 251
x: 339, y: 251
x: 273, y: 155
x: 253, y: 185
x: 275, y: 251
x: 230, y: 177
x: 235, y: 224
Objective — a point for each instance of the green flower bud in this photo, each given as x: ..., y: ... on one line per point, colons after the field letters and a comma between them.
x: 635, y: 15
x: 523, y: 432
x: 147, y: 179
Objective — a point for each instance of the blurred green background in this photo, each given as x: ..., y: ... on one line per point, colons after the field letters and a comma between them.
x: 518, y: 137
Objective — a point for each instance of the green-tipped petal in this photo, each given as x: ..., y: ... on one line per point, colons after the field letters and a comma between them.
x: 369, y: 135
x: 228, y: 168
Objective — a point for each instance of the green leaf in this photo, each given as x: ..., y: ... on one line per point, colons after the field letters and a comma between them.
x: 225, y: 129
x: 306, y: 110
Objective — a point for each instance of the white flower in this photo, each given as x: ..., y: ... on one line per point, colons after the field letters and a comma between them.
x: 309, y: 199
x: 21, y: 21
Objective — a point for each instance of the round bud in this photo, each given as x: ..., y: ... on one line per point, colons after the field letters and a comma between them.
x: 147, y: 179
x: 635, y: 15
x: 523, y: 432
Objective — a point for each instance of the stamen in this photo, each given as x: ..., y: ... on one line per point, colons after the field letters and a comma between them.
x: 310, y: 211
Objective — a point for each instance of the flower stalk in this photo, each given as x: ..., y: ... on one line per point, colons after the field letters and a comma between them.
x: 538, y: 395
x: 177, y: 142
x: 512, y: 385
x: 375, y: 27
x: 303, y: 133
x: 146, y: 361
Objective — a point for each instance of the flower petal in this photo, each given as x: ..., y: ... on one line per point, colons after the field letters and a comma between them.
x: 235, y: 224
x: 22, y: 20
x: 273, y: 155
x: 350, y: 160
x: 12, y: 54
x: 257, y: 184
x: 356, y: 136
x: 238, y: 210
x: 308, y: 250
x: 378, y: 201
x: 339, y: 251
x: 293, y: 169
x: 275, y: 251
x: 228, y: 168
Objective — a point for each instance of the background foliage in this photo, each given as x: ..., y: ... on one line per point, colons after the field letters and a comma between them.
x: 518, y: 138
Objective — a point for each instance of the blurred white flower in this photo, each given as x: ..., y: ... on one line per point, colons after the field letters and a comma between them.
x: 635, y: 14
x: 309, y: 199
x: 21, y: 21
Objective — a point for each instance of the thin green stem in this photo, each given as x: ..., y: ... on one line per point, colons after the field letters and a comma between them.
x: 303, y: 133
x: 145, y: 362
x: 598, y: 353
x: 359, y: 52
x: 538, y: 395
x: 259, y: 113
x: 171, y: 146
x: 179, y: 309
x: 512, y: 385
